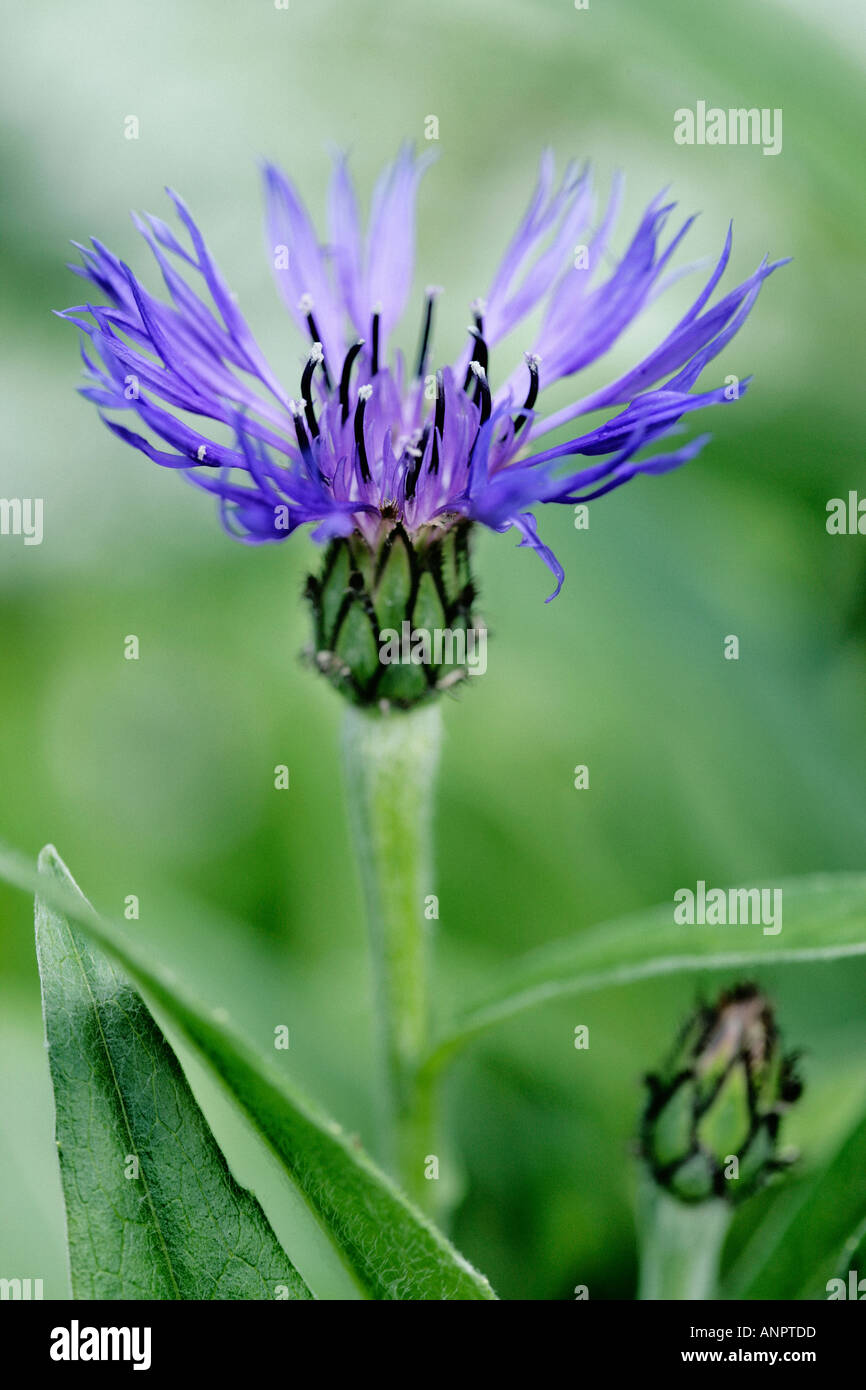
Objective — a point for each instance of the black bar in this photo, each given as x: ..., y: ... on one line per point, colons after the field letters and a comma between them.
x: 649, y: 1338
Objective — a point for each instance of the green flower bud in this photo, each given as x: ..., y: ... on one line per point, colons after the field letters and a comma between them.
x: 393, y: 622
x: 711, y: 1124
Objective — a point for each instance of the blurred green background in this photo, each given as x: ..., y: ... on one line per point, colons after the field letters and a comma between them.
x: 156, y: 777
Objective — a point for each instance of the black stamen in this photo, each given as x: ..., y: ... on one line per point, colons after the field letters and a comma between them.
x: 317, y: 338
x: 482, y: 394
x: 412, y: 478
x: 303, y: 441
x: 532, y: 393
x: 425, y: 335
x: 415, y: 466
x: 374, y: 350
x: 438, y: 422
x: 439, y: 413
x: 306, y: 388
x: 304, y: 446
x: 363, y: 397
x: 345, y: 375
x: 481, y: 355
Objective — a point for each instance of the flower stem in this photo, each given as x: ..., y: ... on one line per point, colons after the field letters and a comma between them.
x: 681, y: 1246
x: 391, y: 764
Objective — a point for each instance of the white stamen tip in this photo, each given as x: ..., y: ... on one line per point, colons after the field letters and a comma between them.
x: 305, y: 303
x: 479, y: 371
x: 532, y: 359
x: 364, y: 393
x: 478, y: 306
x: 433, y: 291
x: 202, y: 450
x: 316, y: 352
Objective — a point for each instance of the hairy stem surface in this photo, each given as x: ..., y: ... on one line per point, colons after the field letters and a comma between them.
x: 681, y: 1246
x: 391, y: 764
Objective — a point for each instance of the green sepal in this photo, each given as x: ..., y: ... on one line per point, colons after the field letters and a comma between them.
x: 365, y: 592
x: 711, y: 1123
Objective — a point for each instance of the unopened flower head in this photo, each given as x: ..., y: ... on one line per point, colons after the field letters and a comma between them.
x: 711, y: 1124
x: 368, y: 445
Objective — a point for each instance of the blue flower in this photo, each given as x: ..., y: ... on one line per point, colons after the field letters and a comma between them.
x: 370, y: 442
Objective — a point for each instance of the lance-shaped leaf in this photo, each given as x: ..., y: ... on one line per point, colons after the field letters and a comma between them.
x: 819, y: 1236
x: 389, y: 1249
x: 152, y: 1209
x: 824, y: 919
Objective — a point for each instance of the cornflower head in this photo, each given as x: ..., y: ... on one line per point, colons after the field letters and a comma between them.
x: 711, y: 1126
x: 394, y: 462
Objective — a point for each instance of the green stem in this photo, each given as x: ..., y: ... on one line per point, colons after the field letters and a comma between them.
x: 681, y: 1246
x: 391, y: 764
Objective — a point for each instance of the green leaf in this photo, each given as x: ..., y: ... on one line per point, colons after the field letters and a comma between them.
x: 389, y: 1249
x: 824, y: 918
x: 795, y: 1258
x: 152, y: 1209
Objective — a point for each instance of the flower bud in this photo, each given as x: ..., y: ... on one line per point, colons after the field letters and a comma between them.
x: 393, y: 621
x: 711, y: 1124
